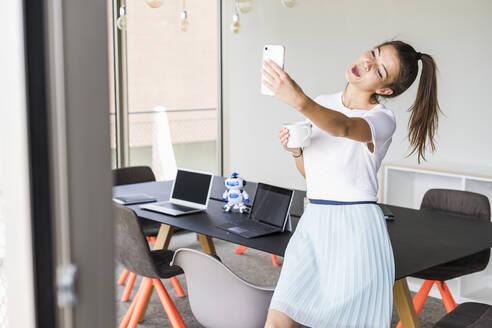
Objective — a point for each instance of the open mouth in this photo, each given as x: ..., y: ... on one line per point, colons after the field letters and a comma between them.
x: 355, y: 71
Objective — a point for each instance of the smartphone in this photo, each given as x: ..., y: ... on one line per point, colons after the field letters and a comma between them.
x: 277, y: 54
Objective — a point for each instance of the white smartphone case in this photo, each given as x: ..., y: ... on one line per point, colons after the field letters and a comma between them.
x: 275, y: 53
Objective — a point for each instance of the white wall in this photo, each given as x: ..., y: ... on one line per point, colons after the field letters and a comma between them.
x: 322, y: 38
x: 17, y: 291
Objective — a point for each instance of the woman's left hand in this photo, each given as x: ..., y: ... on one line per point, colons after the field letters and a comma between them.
x: 284, y: 88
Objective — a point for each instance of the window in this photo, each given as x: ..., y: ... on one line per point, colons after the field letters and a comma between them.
x: 171, y: 87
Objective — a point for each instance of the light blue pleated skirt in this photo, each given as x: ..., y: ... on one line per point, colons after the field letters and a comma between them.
x: 338, y: 268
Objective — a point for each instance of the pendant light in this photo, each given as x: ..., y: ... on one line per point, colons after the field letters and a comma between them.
x: 288, y: 3
x: 235, y: 26
x: 244, y: 6
x: 122, y: 22
x: 184, y: 23
x: 154, y: 3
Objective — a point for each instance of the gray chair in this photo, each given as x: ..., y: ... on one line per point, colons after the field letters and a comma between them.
x: 218, y: 297
x: 469, y: 205
x: 467, y: 315
x: 130, y: 175
x: 137, y: 174
x: 132, y: 251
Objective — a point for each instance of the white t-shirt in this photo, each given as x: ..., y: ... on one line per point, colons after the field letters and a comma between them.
x: 341, y: 169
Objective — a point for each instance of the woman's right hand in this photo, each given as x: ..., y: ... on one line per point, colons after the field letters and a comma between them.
x: 284, y: 138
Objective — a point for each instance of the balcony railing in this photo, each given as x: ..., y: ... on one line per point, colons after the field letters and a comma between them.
x: 185, y: 125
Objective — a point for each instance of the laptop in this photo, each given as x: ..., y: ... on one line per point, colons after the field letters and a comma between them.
x: 190, y: 194
x: 132, y: 199
x: 269, y: 213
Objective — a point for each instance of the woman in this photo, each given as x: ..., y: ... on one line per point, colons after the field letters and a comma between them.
x: 338, y: 268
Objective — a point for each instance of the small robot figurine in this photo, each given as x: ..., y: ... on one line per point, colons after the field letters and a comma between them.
x: 234, y: 196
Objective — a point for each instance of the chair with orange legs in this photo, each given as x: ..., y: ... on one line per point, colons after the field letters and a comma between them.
x: 133, y: 252
x: 130, y: 175
x: 240, y: 250
x: 468, y: 205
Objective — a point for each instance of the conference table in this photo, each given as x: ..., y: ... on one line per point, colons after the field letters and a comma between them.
x: 420, y: 239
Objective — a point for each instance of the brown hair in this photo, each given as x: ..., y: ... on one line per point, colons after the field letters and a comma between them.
x: 424, y: 118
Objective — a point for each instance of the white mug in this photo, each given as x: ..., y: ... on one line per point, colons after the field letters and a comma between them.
x: 299, y: 134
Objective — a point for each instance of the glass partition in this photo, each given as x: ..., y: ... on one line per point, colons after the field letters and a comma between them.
x: 172, y: 86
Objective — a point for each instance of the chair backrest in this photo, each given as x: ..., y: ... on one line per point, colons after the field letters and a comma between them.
x: 468, y: 204
x: 132, y: 249
x: 218, y: 297
x: 459, y: 202
x: 132, y: 174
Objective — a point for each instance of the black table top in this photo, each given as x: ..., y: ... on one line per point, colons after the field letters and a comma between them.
x: 420, y: 239
x: 205, y: 222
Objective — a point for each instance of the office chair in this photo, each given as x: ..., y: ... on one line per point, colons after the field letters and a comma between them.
x: 130, y: 175
x: 476, y: 315
x: 218, y: 297
x: 471, y: 206
x: 132, y: 251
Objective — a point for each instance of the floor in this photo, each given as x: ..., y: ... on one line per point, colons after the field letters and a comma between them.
x: 253, y: 266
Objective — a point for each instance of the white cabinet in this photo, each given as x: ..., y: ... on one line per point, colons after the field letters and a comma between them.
x: 405, y: 186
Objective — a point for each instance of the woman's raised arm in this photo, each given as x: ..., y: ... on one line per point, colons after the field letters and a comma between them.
x: 331, y: 121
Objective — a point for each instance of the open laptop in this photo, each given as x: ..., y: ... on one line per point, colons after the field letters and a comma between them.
x: 269, y: 213
x: 190, y: 194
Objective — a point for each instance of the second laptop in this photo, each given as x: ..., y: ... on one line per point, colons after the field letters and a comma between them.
x: 269, y: 213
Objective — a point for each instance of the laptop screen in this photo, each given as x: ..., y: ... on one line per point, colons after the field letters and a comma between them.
x: 192, y: 186
x: 271, y: 204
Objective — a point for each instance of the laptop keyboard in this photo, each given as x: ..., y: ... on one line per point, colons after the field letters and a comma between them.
x: 248, y: 228
x: 256, y: 227
x: 180, y: 207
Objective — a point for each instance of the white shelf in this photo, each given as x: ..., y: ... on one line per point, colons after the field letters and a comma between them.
x: 480, y: 186
x: 481, y: 296
x: 405, y: 186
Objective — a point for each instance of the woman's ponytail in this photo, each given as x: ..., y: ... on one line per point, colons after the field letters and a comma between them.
x: 424, y: 117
